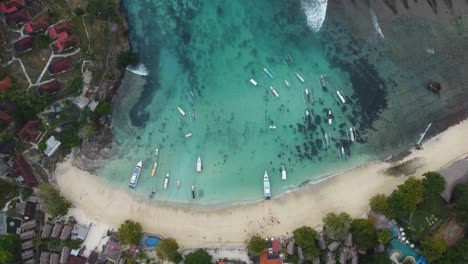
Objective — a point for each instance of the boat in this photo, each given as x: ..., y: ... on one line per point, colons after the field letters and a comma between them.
x: 166, y: 181
x: 326, y: 139
x: 178, y: 183
x: 300, y: 77
x: 287, y: 59
x: 193, y: 192
x: 272, y: 127
x: 307, y: 116
x: 135, y: 175
x: 268, y: 72
x: 283, y: 172
x: 343, y: 153
x: 307, y: 94
x: 155, y: 165
x: 181, y: 111
x: 273, y: 90
x: 342, y: 99
x: 351, y: 132
x: 323, y: 81
x: 266, y: 186
x: 330, y: 117
x: 188, y: 135
x: 287, y: 83
x: 199, y: 164
x: 252, y: 81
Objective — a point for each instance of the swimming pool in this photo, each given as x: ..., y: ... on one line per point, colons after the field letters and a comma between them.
x: 152, y: 241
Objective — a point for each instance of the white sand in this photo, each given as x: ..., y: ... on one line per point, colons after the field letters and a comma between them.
x: 231, y: 227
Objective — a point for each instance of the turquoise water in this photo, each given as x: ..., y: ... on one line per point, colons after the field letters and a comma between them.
x: 200, y: 56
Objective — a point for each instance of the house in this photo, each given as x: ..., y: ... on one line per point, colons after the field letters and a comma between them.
x: 27, y: 245
x: 60, y: 65
x: 62, y: 27
x: 66, y: 232
x: 27, y: 254
x: 27, y: 235
x: 5, y: 83
x: 45, y: 257
x: 11, y: 6
x: 26, y: 226
x: 22, y: 169
x: 70, y: 41
x: 3, y: 223
x: 454, y: 174
x: 29, y: 132
x: 112, y: 251
x: 57, y: 230
x: 19, y: 17
x: 54, y: 258
x: 47, y: 230
x: 52, y: 146
x: 42, y: 23
x: 65, y: 255
x: 3, y: 167
x: 76, y: 260
x: 5, y: 118
x: 92, y: 258
x: 79, y: 232
x: 50, y: 87
x: 23, y: 44
x: 264, y: 259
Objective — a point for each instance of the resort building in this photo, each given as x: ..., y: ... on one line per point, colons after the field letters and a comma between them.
x: 67, y: 42
x: 52, y: 146
x: 23, y: 171
x: 11, y: 6
x: 19, y: 17
x: 5, y: 118
x: 29, y: 132
x: 23, y: 44
x: 40, y: 24
x: 5, y: 83
x: 60, y: 65
x: 50, y: 87
x: 59, y: 28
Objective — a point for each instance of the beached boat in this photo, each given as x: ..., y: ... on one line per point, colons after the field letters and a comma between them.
x: 135, y: 175
x: 199, y: 164
x: 268, y: 72
x: 193, y: 192
x: 273, y: 90
x: 178, y: 183
x: 252, y: 81
x: 166, y: 181
x: 287, y: 83
x: 266, y: 186
x: 188, y: 135
x: 351, y: 133
x: 181, y: 111
x: 342, y: 99
x: 283, y: 172
x: 323, y: 81
x: 300, y: 77
x: 330, y: 117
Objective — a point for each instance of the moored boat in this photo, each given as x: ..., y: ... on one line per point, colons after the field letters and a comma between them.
x: 273, y: 90
x: 193, y: 192
x: 266, y: 186
x: 323, y: 81
x: 283, y: 172
x: 307, y: 116
x: 199, y: 164
x: 351, y: 132
x: 166, y: 181
x: 188, y: 135
x: 330, y: 117
x: 181, y: 111
x: 155, y: 165
x: 300, y: 77
x: 252, y: 81
x: 178, y: 183
x: 326, y: 139
x: 287, y: 83
x: 268, y: 72
x: 135, y: 175
x: 342, y: 99
x: 307, y: 94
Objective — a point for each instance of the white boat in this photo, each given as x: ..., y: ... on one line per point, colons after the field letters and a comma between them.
x: 330, y: 117
x: 199, y: 164
x: 135, y: 175
x: 272, y: 126
x: 252, y: 81
x: 287, y: 83
x: 273, y: 90
x: 166, y: 181
x: 351, y: 132
x: 268, y: 72
x: 323, y: 80
x: 300, y: 77
x: 266, y: 186
x: 307, y: 116
x: 326, y: 139
x: 342, y: 99
x: 283, y: 172
x: 178, y: 183
x: 155, y: 165
x: 188, y: 135
x: 343, y: 153
x: 181, y: 111
x: 307, y: 94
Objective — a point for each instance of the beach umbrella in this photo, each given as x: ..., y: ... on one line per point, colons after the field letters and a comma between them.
x: 403, y: 233
x: 401, y: 229
x: 412, y: 246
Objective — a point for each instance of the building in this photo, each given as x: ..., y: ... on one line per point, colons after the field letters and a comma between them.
x: 5, y: 83
x: 112, y: 250
x: 5, y: 118
x: 29, y: 225
x: 76, y: 260
x: 40, y: 24
x: 50, y: 87
x: 45, y: 257
x: 92, y: 258
x: 19, y: 17
x: 3, y: 223
x: 23, y: 44
x: 79, y: 232
x: 47, y: 230
x: 57, y: 230
x: 11, y: 6
x: 60, y: 65
x: 65, y: 255
x: 454, y: 174
x: 29, y: 132
x: 28, y: 235
x: 52, y: 146
x: 68, y: 42
x: 62, y: 27
x: 22, y: 170
x: 66, y: 232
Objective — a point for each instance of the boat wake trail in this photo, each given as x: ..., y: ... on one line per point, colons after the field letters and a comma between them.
x: 138, y: 70
x: 376, y: 24
x: 315, y: 11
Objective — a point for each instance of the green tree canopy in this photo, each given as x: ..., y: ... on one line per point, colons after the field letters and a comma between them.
x: 9, y: 248
x: 457, y: 254
x: 384, y: 236
x: 363, y: 233
x: 103, y: 108
x: 256, y: 246
x: 375, y: 259
x: 130, y: 232
x: 127, y: 58
x: 199, y: 256
x: 167, y: 249
x: 406, y: 198
x: 52, y: 201
x: 306, y: 238
x: 337, y: 225
x: 379, y: 203
x: 102, y: 8
x: 460, y: 197
x: 433, y: 183
x: 433, y: 248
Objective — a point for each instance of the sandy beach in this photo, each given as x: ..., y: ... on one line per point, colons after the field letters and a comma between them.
x: 232, y: 226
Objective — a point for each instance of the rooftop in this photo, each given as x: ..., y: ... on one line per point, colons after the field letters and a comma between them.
x: 5, y: 83
x: 37, y: 25
x: 22, y: 169
x: 52, y: 146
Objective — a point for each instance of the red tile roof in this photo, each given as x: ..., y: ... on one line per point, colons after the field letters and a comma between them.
x: 276, y: 246
x: 51, y: 87
x: 5, y: 118
x: 64, y: 26
x: 19, y: 16
x: 5, y: 83
x: 23, y: 169
x: 11, y: 6
x: 76, y: 260
x: 24, y: 44
x: 264, y: 259
x: 60, y: 65
x: 37, y: 25
x: 69, y: 42
x: 29, y: 132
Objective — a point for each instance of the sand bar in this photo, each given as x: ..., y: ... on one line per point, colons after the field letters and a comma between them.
x: 231, y: 227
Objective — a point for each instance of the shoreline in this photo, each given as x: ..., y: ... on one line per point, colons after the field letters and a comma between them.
x: 231, y: 226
